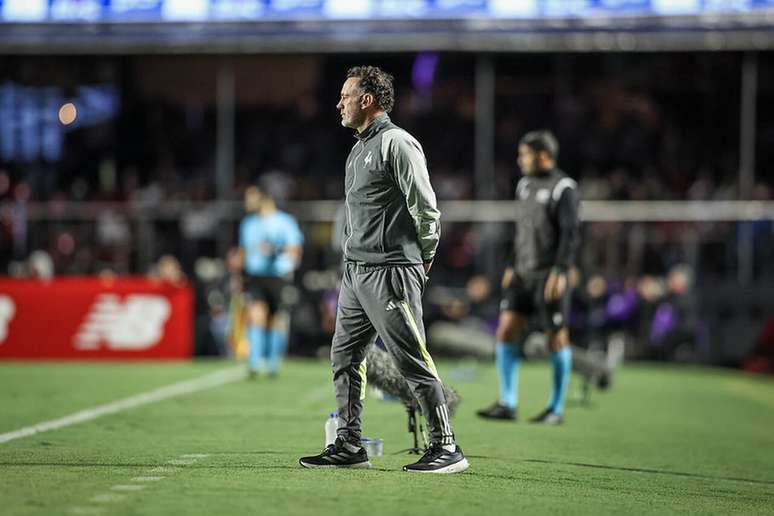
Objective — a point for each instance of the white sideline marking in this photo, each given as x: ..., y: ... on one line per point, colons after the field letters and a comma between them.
x: 85, y: 510
x: 107, y: 498
x: 163, y: 469
x: 320, y: 393
x: 115, y: 497
x: 180, y: 462
x: 127, y: 487
x: 215, y: 379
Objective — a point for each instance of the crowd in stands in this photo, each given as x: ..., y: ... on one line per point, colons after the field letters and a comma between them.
x: 630, y: 128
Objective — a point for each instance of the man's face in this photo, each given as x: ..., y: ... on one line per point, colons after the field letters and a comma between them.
x: 253, y: 199
x: 352, y: 114
x: 531, y: 162
x: 527, y: 160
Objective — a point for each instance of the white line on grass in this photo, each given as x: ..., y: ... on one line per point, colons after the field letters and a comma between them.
x: 215, y: 379
x: 114, y: 496
x: 319, y: 394
x: 163, y: 469
x: 127, y: 487
x: 180, y: 462
x: 85, y: 510
x: 108, y: 498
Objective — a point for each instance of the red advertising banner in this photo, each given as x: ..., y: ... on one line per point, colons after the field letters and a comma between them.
x: 95, y: 318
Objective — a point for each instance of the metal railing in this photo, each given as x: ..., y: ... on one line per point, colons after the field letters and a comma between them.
x: 452, y: 211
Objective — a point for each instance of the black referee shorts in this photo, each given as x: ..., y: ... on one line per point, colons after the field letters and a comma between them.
x: 264, y: 288
x: 525, y: 296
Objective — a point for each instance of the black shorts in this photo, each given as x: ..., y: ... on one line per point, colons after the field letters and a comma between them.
x: 264, y: 288
x: 525, y: 296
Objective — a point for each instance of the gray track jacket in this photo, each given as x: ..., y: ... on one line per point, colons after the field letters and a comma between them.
x: 391, y: 213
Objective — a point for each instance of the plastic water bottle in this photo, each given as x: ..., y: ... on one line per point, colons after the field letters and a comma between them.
x: 331, y: 425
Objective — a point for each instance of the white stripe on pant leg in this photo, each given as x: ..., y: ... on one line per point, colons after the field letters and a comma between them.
x: 447, y: 431
x: 439, y: 412
x: 440, y: 420
x: 445, y: 428
x: 445, y: 411
x: 448, y: 423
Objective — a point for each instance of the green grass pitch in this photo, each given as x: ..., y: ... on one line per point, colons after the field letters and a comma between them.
x: 663, y: 440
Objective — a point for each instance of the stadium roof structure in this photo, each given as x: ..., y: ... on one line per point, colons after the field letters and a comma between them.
x: 293, y: 26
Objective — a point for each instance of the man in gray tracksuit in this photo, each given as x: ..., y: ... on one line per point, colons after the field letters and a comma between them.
x: 391, y: 234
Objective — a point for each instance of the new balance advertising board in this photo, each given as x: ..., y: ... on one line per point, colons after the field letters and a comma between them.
x: 85, y: 318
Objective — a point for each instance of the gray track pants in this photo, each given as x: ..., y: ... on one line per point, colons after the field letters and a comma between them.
x: 386, y: 300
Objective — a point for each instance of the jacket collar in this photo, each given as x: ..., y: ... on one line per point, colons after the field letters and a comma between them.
x: 377, y: 123
x: 545, y: 173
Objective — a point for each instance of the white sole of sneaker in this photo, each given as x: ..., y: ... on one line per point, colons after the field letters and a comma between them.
x: 359, y: 465
x: 457, y: 467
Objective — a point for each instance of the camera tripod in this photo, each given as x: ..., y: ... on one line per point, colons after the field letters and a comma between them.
x: 416, y: 428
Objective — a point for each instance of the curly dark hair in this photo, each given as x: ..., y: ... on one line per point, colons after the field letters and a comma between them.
x: 377, y: 82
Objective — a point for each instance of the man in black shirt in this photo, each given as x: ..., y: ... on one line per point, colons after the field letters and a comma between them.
x: 536, y: 286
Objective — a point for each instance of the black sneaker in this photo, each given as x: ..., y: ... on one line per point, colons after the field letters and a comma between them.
x: 498, y: 411
x: 547, y: 418
x: 340, y: 454
x: 437, y: 460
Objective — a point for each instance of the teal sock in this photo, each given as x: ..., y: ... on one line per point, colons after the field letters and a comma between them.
x: 277, y: 343
x: 562, y: 363
x: 258, y: 343
x: 508, y: 359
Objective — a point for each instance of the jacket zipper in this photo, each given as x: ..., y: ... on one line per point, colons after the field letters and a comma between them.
x: 346, y: 197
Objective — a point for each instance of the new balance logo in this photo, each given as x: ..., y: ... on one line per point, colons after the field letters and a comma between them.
x: 7, y: 311
x: 135, y: 324
x: 369, y: 158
